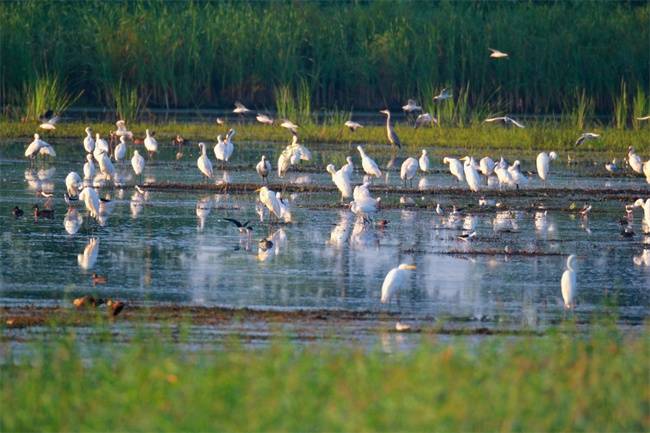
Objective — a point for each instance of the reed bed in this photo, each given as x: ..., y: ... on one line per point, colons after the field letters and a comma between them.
x: 350, y: 55
x: 560, y: 382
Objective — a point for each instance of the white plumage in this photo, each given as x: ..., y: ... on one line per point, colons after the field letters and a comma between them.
x: 270, y: 200
x: 455, y: 168
x: 73, y: 184
x: 89, y: 141
x: 150, y: 143
x: 341, y: 180
x: 394, y: 281
x: 409, y: 169
x: 137, y: 162
x: 89, y: 167
x: 471, y: 174
x: 569, y: 284
x: 263, y: 168
x: 543, y: 162
x: 203, y: 162
x: 120, y: 149
x: 425, y: 164
x: 368, y: 164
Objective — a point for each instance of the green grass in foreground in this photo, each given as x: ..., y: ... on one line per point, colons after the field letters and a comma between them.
x: 537, y: 136
x: 598, y: 382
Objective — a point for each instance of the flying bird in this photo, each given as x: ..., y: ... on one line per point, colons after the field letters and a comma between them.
x: 587, y: 136
x: 353, y: 125
x: 444, y: 94
x: 508, y: 121
x: 496, y: 54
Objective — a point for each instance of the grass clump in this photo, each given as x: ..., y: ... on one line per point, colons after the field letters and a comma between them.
x: 45, y: 93
x: 597, y: 382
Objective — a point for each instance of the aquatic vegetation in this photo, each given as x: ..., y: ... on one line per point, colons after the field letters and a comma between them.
x: 365, y: 55
x: 560, y: 382
x: 48, y: 92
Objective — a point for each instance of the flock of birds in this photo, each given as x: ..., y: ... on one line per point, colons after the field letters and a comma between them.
x: 484, y: 173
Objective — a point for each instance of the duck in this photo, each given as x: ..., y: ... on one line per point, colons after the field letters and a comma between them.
x: 17, y: 212
x: 97, y: 279
x: 43, y: 213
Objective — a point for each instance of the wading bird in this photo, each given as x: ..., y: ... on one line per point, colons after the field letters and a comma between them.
x: 73, y: 184
x: 471, y: 173
x: 137, y: 162
x: 368, y: 164
x: 122, y: 131
x: 543, y: 162
x: 341, y: 180
x: 89, y: 141
x: 269, y: 199
x: 394, y: 281
x: 150, y: 143
x: 390, y: 132
x: 203, y: 163
x: 455, y: 168
x: 263, y: 168
x: 409, y: 169
x: 568, y: 283
x: 425, y: 164
x: 634, y: 160
x: 120, y: 150
x: 39, y: 147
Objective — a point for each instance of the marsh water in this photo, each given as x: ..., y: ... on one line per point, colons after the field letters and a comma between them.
x: 175, y: 247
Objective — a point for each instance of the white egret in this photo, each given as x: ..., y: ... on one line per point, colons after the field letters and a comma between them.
x: 634, y: 160
x: 353, y: 126
x: 270, y: 200
x: 543, y: 160
x: 508, y: 121
x: 348, y: 168
x: 285, y: 212
x: 263, y: 168
x: 471, y: 173
x: 91, y: 200
x: 409, y: 169
x: 341, y: 180
x: 368, y: 164
x: 394, y: 281
x: 120, y: 149
x: 455, y: 168
x: 569, y: 284
x: 264, y: 119
x: 101, y: 146
x: 390, y: 132
x: 89, y: 257
x: 137, y: 162
x: 229, y: 146
x: 89, y: 141
x: 361, y: 191
x: 364, y: 206
x: 504, y: 176
x: 73, y: 183
x: 486, y: 165
x: 284, y: 162
x: 203, y: 163
x: 646, y: 209
x: 646, y: 170
x: 425, y: 164
x: 122, y: 131
x: 150, y: 143
x: 518, y: 178
x: 105, y: 165
x: 89, y: 167
x: 587, y: 136
x: 496, y: 54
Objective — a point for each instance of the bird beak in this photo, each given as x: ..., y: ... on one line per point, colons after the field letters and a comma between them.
x: 258, y: 189
x: 411, y: 267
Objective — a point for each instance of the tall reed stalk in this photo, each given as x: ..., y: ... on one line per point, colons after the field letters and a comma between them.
x: 621, y: 107
x: 47, y: 92
x: 640, y: 107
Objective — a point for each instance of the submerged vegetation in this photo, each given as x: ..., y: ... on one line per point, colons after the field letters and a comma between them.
x: 561, y: 382
x: 365, y: 55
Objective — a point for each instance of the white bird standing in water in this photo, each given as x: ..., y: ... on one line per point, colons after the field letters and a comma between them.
x: 348, y: 168
x: 425, y: 164
x: 263, y: 168
x: 270, y: 200
x: 518, y: 177
x: 471, y: 173
x: 394, y: 281
x: 285, y: 212
x: 150, y: 143
x: 543, y: 161
x: 409, y: 169
x: 486, y: 165
x: 646, y: 170
x: 341, y: 180
x: 137, y: 162
x: 39, y: 147
x: 89, y: 167
x: 390, y: 132
x: 634, y: 160
x: 91, y: 200
x: 89, y: 141
x: 368, y: 164
x: 455, y: 168
x: 503, y: 174
x: 203, y: 163
x: 284, y: 162
x: 122, y: 131
x: 73, y: 183
x: 120, y: 150
x: 646, y: 209
x: 101, y: 146
x: 105, y: 164
x: 569, y: 284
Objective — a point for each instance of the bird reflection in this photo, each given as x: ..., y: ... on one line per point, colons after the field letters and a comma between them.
x: 363, y: 235
x: 341, y: 231
x: 72, y: 221
x: 203, y: 208
x: 642, y: 259
x: 89, y: 257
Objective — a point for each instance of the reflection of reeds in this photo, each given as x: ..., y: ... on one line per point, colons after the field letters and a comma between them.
x: 364, y: 55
